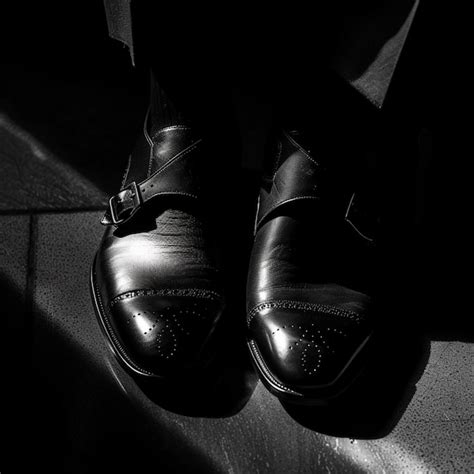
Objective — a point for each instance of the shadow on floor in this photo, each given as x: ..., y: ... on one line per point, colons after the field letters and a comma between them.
x: 372, y: 406
x: 68, y: 425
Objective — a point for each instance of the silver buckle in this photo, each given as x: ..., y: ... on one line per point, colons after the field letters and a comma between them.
x: 130, y: 193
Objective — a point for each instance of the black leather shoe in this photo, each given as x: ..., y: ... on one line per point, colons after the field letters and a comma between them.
x: 155, y: 279
x: 308, y: 304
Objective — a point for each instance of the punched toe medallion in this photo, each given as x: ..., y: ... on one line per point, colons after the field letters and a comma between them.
x: 156, y: 276
x: 305, y: 347
x: 307, y: 326
x: 164, y: 329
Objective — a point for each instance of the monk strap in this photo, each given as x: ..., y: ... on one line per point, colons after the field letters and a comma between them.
x: 177, y: 178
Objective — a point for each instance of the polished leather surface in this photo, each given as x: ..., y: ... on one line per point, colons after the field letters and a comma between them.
x: 308, y: 301
x: 156, y: 278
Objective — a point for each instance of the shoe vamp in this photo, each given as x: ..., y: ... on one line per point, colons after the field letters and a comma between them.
x: 174, y: 254
x: 303, y: 262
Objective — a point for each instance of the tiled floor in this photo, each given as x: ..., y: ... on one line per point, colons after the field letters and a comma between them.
x: 85, y: 409
x: 74, y: 409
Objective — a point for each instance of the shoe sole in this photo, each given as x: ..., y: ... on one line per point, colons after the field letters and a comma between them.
x: 321, y: 395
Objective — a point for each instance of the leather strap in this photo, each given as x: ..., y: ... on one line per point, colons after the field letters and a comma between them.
x: 295, y: 179
x: 177, y: 177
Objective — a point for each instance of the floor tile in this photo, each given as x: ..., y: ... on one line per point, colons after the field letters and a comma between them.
x: 16, y: 323
x: 15, y: 239
x: 95, y: 410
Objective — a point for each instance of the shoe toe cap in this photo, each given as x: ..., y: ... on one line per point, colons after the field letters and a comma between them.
x: 159, y: 334
x: 308, y: 349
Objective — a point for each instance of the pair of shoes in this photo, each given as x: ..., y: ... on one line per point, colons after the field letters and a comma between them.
x: 157, y: 281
